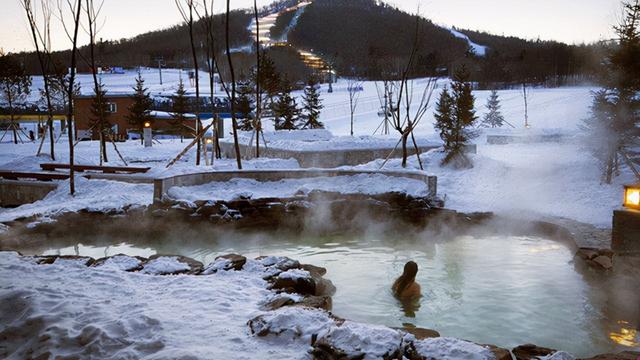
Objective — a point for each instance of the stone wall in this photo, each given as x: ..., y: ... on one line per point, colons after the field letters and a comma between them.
x: 16, y: 193
x: 325, y: 158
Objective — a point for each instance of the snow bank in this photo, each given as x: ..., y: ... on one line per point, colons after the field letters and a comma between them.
x: 450, y: 348
x: 357, y: 184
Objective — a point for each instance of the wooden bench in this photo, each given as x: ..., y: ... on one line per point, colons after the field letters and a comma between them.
x: 103, y: 169
x: 15, y: 175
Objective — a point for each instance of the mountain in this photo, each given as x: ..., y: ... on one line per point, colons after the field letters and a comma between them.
x: 366, y: 38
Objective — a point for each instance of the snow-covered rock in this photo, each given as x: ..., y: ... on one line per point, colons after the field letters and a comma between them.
x: 292, y: 323
x: 119, y: 262
x: 361, y: 341
x: 450, y: 348
x: 559, y: 355
x: 165, y: 265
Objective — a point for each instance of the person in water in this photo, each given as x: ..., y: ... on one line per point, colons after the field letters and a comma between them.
x: 405, y: 287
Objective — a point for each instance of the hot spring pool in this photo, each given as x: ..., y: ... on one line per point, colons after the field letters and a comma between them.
x: 503, y: 290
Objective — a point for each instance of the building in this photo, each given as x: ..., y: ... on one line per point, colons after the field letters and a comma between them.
x: 118, y: 105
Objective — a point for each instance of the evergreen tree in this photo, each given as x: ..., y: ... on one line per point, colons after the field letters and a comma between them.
x: 444, y: 116
x: 286, y: 110
x: 312, y: 106
x: 464, y: 117
x: 179, y: 108
x: 245, y: 106
x: 141, y: 107
x: 100, y: 117
x: 270, y: 81
x: 493, y: 118
x: 615, y: 121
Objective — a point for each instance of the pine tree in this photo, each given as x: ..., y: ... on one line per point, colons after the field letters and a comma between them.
x: 464, y: 117
x: 493, y: 118
x: 444, y: 116
x: 312, y: 106
x: 245, y: 106
x: 100, y: 117
x: 286, y: 110
x: 141, y: 107
x: 270, y: 82
x: 615, y: 113
x: 179, y: 108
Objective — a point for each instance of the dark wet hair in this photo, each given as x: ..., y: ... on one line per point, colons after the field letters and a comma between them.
x: 407, y: 277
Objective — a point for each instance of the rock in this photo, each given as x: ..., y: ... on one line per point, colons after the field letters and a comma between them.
x: 625, y: 355
x: 295, y: 281
x: 446, y: 348
x: 292, y: 323
x: 121, y: 262
x: 560, y: 355
x: 587, y: 253
x: 314, y: 270
x: 500, y: 353
x: 210, y: 208
x: 604, y: 262
x: 278, y: 302
x: 531, y: 352
x: 317, y: 302
x: 73, y: 260
x: 236, y: 262
x: 225, y: 263
x: 172, y: 265
x: 353, y: 340
x: 419, y: 333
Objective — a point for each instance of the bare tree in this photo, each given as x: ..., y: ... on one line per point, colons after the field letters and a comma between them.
x: 234, y: 122
x: 92, y: 29
x: 257, y: 121
x: 75, y: 8
x: 406, y: 121
x: 42, y: 41
x: 354, y: 87
x: 187, y: 11
x: 207, y: 21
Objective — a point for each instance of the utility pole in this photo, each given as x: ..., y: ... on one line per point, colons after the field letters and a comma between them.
x: 160, y: 61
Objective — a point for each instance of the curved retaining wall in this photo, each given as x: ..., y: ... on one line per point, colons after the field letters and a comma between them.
x: 161, y: 186
x: 329, y: 158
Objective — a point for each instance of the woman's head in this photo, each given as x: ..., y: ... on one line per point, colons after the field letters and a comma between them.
x: 410, y: 270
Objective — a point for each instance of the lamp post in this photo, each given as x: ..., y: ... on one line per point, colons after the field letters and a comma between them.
x: 626, y: 222
x: 632, y: 196
x: 147, y: 134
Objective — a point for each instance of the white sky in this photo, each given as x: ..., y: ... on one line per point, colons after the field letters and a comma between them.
x: 571, y: 21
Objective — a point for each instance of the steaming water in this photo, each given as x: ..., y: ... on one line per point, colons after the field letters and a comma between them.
x: 497, y: 290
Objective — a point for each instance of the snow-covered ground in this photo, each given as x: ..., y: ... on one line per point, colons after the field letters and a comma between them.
x: 82, y: 312
x: 558, y: 179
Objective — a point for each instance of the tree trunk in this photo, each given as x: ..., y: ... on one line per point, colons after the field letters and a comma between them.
x: 234, y: 123
x: 405, y: 151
